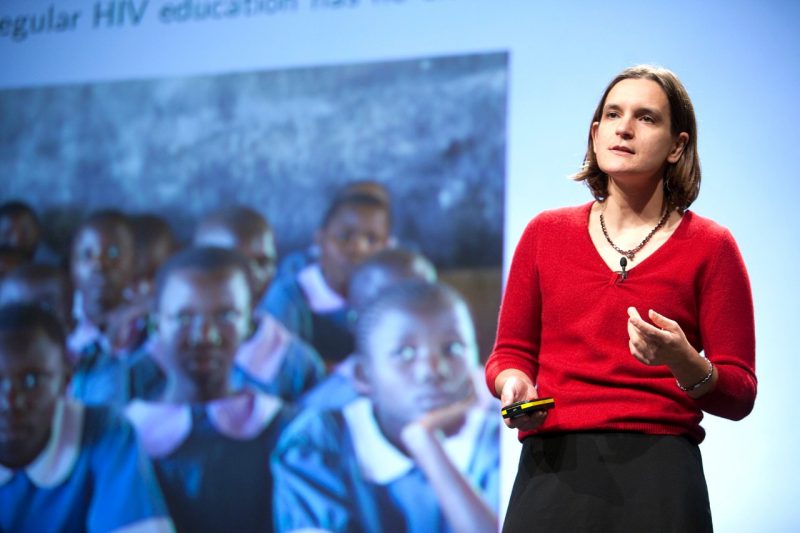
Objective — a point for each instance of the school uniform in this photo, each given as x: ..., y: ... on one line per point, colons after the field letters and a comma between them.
x: 336, y: 471
x: 273, y: 361
x: 100, y: 374
x: 277, y: 362
x: 212, y: 459
x: 91, y: 476
x: 310, y: 308
x: 335, y: 391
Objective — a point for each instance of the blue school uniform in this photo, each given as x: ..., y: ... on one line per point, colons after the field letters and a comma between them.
x: 91, y: 476
x: 277, y: 362
x: 212, y: 460
x: 335, y: 391
x: 273, y: 361
x: 308, y: 307
x: 335, y: 471
x: 100, y: 377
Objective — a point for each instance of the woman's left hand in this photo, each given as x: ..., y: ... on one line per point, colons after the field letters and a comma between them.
x: 661, y: 344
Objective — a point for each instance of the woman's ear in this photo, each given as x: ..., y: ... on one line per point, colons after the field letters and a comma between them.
x: 677, y: 150
x: 362, y: 379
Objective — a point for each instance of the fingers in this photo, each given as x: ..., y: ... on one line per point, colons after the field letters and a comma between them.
x: 526, y: 422
x: 515, y: 390
x: 662, y: 321
x: 635, y: 319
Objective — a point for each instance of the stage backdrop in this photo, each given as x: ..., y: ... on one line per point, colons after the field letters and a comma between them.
x: 502, y: 90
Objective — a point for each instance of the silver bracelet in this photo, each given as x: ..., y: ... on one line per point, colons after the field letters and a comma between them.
x: 700, y: 383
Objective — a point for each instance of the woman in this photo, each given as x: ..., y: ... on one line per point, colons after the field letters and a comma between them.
x: 607, y: 309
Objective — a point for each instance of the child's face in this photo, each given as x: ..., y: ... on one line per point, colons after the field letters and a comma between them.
x: 419, y: 361
x: 32, y: 378
x: 48, y: 293
x: 102, y: 267
x: 258, y: 248
x: 354, y: 234
x: 202, y: 319
x: 9, y: 260
x: 146, y: 265
x: 19, y: 231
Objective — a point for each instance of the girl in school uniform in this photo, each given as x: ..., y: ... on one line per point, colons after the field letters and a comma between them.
x: 64, y: 466
x: 313, y: 302
x: 418, y: 452
x: 210, y: 443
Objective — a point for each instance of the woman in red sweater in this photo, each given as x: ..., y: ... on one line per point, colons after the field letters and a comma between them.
x: 636, y: 315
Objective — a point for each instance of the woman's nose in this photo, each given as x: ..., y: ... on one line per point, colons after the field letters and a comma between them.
x: 624, y: 128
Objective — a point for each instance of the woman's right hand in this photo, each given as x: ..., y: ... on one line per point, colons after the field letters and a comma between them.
x: 515, y: 386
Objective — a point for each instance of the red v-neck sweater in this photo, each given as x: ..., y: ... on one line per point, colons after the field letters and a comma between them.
x: 563, y: 321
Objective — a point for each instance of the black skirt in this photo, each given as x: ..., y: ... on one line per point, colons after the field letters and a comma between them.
x: 608, y: 482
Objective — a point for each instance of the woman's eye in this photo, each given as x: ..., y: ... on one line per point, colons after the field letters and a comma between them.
x: 455, y: 349
x: 648, y: 119
x: 612, y: 114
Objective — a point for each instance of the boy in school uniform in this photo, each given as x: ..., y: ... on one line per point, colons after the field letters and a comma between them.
x: 418, y: 453
x: 313, y: 302
x: 63, y: 466
x: 273, y: 359
x: 209, y: 443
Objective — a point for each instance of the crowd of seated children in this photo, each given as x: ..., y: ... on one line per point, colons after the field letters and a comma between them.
x: 63, y: 466
x: 418, y: 452
x: 210, y: 444
x: 312, y: 302
x: 210, y: 358
x: 376, y: 274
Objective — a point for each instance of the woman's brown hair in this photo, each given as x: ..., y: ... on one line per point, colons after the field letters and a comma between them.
x: 681, y: 179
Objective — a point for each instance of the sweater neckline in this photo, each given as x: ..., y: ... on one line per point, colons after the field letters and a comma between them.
x: 676, y: 235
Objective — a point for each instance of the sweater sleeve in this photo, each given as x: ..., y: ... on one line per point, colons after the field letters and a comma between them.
x: 727, y: 328
x: 519, y: 324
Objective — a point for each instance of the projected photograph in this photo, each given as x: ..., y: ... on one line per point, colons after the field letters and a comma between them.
x: 322, y: 376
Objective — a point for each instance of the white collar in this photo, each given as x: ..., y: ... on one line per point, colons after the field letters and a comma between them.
x: 263, y: 354
x: 162, y: 426
x: 321, y: 298
x: 381, y: 462
x: 84, y: 334
x: 55, y: 463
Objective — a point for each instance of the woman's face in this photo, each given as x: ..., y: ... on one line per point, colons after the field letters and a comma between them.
x: 633, y: 140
